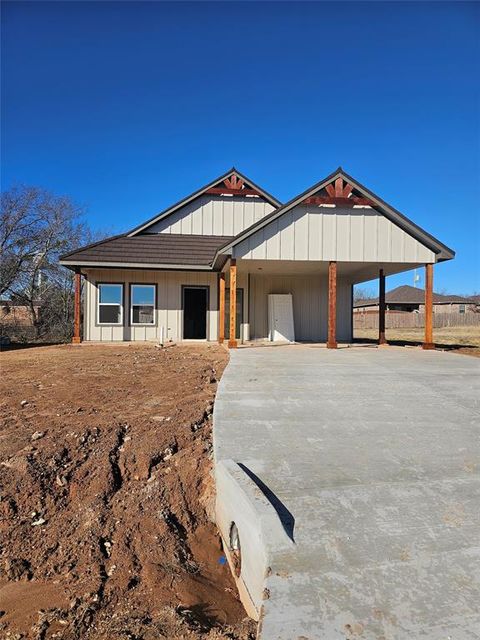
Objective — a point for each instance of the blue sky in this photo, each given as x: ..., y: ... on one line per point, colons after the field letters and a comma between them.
x: 127, y: 107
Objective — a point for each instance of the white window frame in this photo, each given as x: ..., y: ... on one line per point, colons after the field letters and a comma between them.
x: 154, y: 305
x: 110, y: 304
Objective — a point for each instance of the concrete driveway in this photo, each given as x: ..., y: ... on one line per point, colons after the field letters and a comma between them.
x: 375, y: 454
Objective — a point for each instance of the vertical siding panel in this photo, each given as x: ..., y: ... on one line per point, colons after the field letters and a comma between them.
x: 300, y: 222
x: 383, y: 240
x: 329, y: 235
x: 259, y: 211
x: 357, y: 237
x: 197, y: 221
x: 272, y: 240
x: 238, y: 216
x: 287, y: 236
x: 217, y: 212
x: 396, y: 240
x: 176, y: 226
x: 249, y: 213
x: 161, y: 306
x: 343, y: 236
x: 228, y: 217
x: 186, y: 225
x: 314, y: 234
x: 310, y: 296
x: 370, y: 237
x: 207, y: 218
x: 258, y: 246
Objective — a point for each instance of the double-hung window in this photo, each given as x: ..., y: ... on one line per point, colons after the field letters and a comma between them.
x: 142, y: 304
x: 110, y: 303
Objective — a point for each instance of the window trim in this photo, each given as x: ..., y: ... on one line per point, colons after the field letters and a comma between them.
x: 110, y: 304
x: 130, y: 315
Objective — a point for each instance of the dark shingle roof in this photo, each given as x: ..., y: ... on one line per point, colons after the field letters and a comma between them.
x: 154, y: 249
x: 412, y: 295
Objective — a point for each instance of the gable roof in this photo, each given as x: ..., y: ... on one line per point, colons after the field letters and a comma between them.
x: 166, y: 250
x: 196, y: 194
x: 443, y: 252
x: 406, y: 294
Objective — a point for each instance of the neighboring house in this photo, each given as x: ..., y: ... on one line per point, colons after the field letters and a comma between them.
x: 16, y: 315
x: 412, y: 299
x: 172, y: 277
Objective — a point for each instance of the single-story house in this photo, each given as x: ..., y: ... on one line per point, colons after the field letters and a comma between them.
x: 412, y: 299
x: 230, y: 259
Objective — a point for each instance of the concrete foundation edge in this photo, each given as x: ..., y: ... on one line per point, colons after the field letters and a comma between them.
x: 239, y: 500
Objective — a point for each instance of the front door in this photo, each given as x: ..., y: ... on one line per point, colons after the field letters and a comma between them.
x: 195, y: 304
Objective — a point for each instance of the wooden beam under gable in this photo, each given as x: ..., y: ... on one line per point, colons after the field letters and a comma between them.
x: 339, y: 194
x: 233, y: 182
x: 234, y: 192
x: 339, y: 187
x: 233, y: 186
x: 330, y: 189
x: 339, y: 201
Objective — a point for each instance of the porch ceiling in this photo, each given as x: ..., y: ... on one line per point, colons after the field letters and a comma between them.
x: 356, y: 272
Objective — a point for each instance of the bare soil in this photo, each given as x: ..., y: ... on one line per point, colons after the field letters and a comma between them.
x: 106, y: 496
x: 464, y: 340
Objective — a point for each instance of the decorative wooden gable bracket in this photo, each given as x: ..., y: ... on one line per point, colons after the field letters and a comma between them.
x: 233, y: 186
x: 339, y: 194
x: 234, y: 182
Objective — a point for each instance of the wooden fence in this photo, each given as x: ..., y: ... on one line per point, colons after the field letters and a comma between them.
x: 405, y: 320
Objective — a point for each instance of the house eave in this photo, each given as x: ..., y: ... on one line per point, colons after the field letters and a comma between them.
x: 70, y: 264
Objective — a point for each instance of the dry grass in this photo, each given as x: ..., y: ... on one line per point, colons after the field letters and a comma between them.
x: 466, y: 339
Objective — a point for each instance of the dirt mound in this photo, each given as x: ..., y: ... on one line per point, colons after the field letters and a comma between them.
x: 106, y: 492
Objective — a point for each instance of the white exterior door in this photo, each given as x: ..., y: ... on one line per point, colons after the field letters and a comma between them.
x: 280, y: 318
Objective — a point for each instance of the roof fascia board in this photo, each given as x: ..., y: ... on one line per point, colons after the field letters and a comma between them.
x: 136, y: 265
x: 444, y: 252
x: 196, y: 194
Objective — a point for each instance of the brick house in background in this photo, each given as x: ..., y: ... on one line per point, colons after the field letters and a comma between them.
x: 16, y: 315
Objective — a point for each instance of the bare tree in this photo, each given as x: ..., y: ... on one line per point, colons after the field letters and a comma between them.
x: 37, y: 227
x: 362, y: 293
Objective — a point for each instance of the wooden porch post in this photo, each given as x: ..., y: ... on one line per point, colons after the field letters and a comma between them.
x: 428, y: 343
x: 332, y: 305
x: 76, y: 308
x: 221, y: 303
x: 381, y: 309
x: 232, y: 341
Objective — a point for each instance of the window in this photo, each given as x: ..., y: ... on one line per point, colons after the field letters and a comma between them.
x: 110, y: 303
x: 142, y: 304
x: 461, y: 308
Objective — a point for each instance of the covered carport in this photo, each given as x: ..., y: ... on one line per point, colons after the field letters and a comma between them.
x: 329, y: 238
